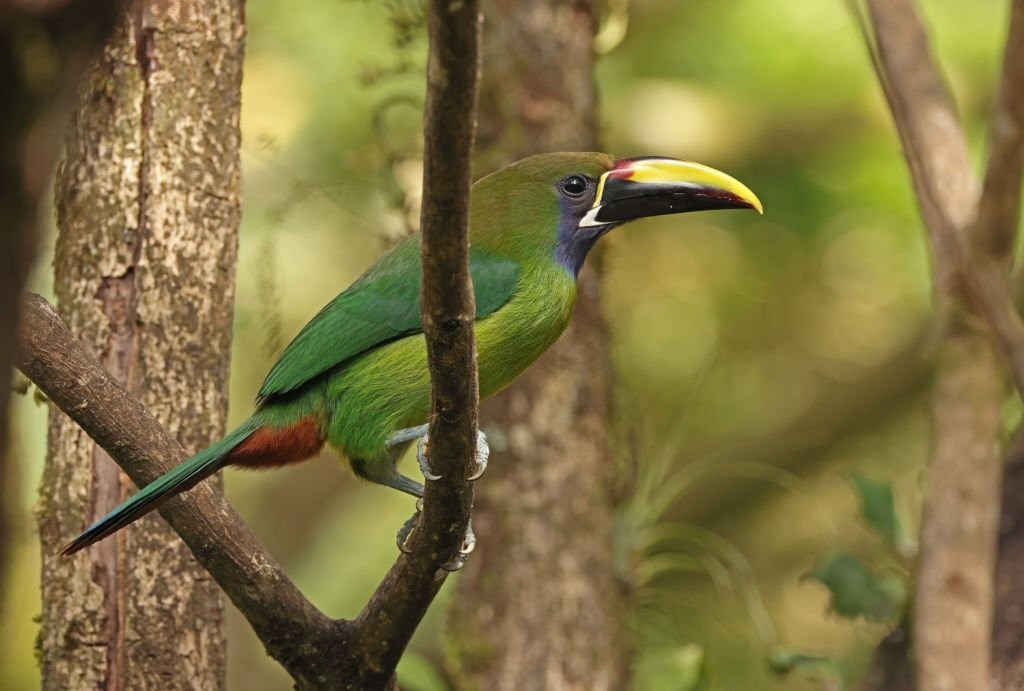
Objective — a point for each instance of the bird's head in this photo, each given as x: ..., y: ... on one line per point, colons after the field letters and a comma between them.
x: 564, y: 202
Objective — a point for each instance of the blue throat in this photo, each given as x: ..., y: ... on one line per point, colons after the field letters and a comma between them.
x: 574, y: 243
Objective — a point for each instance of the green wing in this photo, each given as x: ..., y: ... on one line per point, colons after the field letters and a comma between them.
x: 382, y: 306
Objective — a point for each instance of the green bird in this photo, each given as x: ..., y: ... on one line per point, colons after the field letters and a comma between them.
x: 356, y: 375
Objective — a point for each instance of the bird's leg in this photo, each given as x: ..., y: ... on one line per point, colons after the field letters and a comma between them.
x: 400, y: 438
x: 407, y: 434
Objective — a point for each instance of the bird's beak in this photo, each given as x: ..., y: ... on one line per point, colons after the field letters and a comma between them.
x: 652, y: 186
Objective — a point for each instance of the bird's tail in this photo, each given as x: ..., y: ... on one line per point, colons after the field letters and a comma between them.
x: 182, y: 477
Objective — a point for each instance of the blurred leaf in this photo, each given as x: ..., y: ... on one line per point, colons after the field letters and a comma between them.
x: 878, y: 509
x: 782, y: 661
x: 417, y: 673
x: 859, y: 591
x: 674, y: 669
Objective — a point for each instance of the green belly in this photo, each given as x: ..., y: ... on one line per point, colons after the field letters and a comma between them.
x: 388, y: 388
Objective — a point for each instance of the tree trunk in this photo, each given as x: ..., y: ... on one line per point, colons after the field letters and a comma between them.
x: 69, y: 35
x: 148, y: 209
x: 538, y: 605
x: 952, y: 617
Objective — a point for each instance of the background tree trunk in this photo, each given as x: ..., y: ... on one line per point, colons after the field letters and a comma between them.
x: 148, y: 209
x: 972, y: 239
x: 538, y: 605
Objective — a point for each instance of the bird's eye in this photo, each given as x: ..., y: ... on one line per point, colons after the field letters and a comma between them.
x: 574, y: 186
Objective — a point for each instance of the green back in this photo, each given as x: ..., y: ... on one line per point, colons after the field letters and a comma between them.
x: 380, y: 307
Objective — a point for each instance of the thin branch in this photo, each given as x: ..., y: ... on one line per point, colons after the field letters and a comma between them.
x: 448, y: 313
x: 999, y: 206
x: 936, y: 151
x: 995, y: 229
x: 926, y: 118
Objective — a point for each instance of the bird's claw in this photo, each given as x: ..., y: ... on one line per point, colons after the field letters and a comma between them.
x: 407, y: 529
x: 483, y: 452
x: 456, y: 564
x: 421, y: 458
x: 468, y: 545
x: 468, y: 540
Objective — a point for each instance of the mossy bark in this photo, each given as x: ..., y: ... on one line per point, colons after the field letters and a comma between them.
x: 538, y: 605
x: 148, y: 206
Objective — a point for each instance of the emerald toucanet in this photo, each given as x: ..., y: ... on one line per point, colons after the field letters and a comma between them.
x: 356, y: 376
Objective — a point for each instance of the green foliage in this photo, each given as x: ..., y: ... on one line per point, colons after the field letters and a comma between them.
x: 878, y: 510
x: 857, y: 590
x: 877, y: 507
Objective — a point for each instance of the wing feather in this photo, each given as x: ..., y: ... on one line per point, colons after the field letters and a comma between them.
x: 382, y: 306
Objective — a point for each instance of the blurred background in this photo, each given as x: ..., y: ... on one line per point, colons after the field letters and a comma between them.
x: 770, y: 372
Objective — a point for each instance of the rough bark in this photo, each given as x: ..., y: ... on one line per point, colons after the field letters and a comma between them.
x: 69, y: 33
x: 148, y: 205
x: 538, y: 605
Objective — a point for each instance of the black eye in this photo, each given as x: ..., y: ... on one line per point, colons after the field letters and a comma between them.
x: 574, y: 186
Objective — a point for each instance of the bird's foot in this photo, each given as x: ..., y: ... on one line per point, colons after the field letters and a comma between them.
x: 468, y: 545
x: 468, y: 540
x: 483, y: 452
x: 405, y: 532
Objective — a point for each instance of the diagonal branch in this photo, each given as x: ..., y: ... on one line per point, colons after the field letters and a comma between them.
x: 929, y: 128
x: 999, y: 206
x: 73, y: 379
x: 317, y: 651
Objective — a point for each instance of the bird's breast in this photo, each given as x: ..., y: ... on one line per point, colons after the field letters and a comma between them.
x: 517, y: 333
